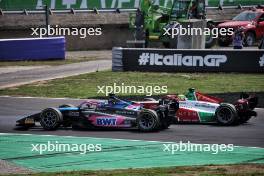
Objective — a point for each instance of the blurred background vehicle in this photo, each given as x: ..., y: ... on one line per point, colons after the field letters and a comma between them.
x: 252, y: 22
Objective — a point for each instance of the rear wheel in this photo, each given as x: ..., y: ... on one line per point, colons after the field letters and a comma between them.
x: 167, y: 122
x: 148, y: 121
x: 226, y: 114
x: 50, y: 118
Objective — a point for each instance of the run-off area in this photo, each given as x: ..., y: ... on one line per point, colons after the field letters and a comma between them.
x: 114, y: 154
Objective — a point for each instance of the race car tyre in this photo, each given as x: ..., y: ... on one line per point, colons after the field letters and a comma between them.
x: 67, y: 106
x: 50, y: 118
x: 148, y: 120
x: 226, y: 114
x: 165, y: 119
x: 249, y: 39
x: 166, y: 122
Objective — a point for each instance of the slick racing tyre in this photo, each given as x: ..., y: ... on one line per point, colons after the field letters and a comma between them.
x: 148, y: 120
x: 50, y: 118
x: 226, y: 114
x: 166, y: 122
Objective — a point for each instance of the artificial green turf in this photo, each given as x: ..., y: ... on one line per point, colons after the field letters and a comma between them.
x: 115, y: 154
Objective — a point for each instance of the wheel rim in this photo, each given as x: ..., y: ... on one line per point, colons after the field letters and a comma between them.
x: 147, y: 121
x: 49, y: 119
x: 250, y: 40
x: 224, y: 115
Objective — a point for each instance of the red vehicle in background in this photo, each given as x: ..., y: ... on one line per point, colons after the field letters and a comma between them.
x: 252, y: 22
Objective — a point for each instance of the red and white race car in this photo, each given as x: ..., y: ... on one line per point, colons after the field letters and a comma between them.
x: 196, y: 107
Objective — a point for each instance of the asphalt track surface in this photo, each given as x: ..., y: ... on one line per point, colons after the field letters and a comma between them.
x: 249, y: 134
x: 46, y: 73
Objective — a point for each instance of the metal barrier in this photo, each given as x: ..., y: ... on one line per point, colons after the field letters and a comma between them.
x: 25, y: 11
x: 176, y: 60
x: 52, y: 48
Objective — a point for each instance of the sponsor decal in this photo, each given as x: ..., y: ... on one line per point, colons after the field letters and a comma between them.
x: 29, y: 121
x: 126, y: 112
x: 204, y: 106
x: 181, y: 60
x: 104, y: 121
x: 261, y: 61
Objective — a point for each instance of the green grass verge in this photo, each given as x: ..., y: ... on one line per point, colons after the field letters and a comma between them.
x: 85, y: 85
x: 225, y: 170
x: 47, y: 62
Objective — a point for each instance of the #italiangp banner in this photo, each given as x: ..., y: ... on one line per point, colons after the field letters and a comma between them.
x: 101, y: 4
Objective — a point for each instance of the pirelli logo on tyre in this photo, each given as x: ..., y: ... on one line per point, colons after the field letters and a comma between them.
x: 210, y: 60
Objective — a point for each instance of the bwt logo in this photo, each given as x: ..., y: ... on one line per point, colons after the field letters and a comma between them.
x: 106, y: 121
x: 180, y: 60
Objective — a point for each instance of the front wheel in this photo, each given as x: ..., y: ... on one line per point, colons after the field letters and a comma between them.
x: 50, y: 118
x: 226, y: 114
x: 148, y: 121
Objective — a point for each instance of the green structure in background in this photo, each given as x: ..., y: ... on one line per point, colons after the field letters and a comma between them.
x: 99, y: 4
x: 114, y: 154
